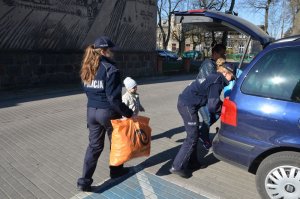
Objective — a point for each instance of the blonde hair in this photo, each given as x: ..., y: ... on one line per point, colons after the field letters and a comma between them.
x: 220, y: 62
x: 90, y: 64
x: 222, y: 69
x: 221, y: 66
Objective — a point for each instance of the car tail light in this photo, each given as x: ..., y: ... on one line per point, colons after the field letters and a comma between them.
x: 197, y: 11
x: 229, y: 112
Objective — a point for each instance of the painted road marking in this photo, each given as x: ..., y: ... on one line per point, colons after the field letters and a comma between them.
x: 139, y: 185
x: 147, y: 189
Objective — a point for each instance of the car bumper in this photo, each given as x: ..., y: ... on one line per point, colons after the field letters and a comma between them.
x: 232, y: 151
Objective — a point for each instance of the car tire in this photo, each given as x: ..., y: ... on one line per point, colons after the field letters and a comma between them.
x: 279, y: 174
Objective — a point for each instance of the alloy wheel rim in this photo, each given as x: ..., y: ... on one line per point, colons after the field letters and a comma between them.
x: 283, y: 182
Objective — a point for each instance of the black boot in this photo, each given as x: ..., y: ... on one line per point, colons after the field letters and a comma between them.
x: 181, y: 173
x: 84, y: 184
x: 84, y: 188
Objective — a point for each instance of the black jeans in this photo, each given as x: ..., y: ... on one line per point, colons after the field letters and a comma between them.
x: 188, y: 151
x: 98, y: 121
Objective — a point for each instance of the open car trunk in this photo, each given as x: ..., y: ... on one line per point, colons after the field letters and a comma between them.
x: 219, y: 21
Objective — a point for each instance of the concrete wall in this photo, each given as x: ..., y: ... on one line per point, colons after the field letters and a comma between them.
x: 42, y: 41
x: 25, y: 69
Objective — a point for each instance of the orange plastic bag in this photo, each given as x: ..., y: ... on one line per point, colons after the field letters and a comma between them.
x: 131, y: 138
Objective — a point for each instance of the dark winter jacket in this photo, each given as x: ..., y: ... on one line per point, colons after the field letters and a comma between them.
x: 206, y: 93
x: 207, y: 67
x: 105, y: 91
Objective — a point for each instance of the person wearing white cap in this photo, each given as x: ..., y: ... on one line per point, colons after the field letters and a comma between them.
x: 131, y: 97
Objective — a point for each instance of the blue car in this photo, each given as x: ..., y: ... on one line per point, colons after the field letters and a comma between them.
x: 192, y: 54
x: 260, y: 120
x: 167, y: 55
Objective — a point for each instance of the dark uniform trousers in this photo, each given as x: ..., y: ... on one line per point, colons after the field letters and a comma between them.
x: 188, y: 151
x: 208, y: 120
x: 98, y: 121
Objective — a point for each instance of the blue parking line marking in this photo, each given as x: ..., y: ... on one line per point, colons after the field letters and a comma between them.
x: 141, y: 185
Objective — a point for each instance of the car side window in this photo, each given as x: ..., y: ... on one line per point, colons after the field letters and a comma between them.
x: 276, y: 75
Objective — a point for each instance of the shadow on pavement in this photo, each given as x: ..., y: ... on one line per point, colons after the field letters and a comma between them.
x: 163, y: 79
x: 167, y: 155
x: 13, y: 97
x: 204, y: 157
x: 169, y: 133
x: 113, y: 182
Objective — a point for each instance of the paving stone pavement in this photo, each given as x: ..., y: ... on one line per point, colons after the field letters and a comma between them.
x: 139, y: 185
x: 43, y: 138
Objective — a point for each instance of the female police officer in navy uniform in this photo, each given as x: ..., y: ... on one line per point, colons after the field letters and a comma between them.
x: 196, y: 95
x: 103, y: 87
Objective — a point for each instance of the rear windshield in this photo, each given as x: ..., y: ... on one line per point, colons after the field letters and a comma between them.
x: 276, y: 75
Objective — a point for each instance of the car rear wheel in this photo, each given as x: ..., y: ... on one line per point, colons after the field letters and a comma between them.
x: 278, y: 176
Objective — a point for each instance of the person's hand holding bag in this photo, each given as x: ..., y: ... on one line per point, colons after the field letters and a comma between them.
x: 130, y: 139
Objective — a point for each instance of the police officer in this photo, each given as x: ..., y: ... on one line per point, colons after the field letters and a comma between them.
x: 207, y: 67
x: 103, y: 88
x: 193, y: 97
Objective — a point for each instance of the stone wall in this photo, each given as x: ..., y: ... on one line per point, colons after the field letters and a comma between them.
x: 39, y: 68
x: 42, y: 42
x: 136, y: 63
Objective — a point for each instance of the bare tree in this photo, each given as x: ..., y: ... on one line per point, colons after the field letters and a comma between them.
x: 179, y: 34
x: 276, y: 21
x: 258, y: 5
x: 214, y: 5
x: 294, y: 6
x: 196, y: 35
x: 225, y: 34
x: 231, y: 6
x: 286, y: 16
x: 164, y: 12
x: 209, y: 4
x: 295, y: 15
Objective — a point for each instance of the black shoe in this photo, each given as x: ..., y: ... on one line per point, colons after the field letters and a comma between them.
x: 119, y: 172
x: 181, y: 173
x: 84, y: 188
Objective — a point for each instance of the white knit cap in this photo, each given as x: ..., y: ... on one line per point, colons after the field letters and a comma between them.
x: 129, y: 83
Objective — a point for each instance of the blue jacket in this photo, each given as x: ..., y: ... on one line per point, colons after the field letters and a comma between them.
x: 206, y: 93
x: 105, y: 91
x: 207, y: 67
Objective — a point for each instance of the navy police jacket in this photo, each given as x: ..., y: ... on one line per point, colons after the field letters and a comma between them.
x: 105, y: 91
x: 206, y: 93
x: 207, y: 67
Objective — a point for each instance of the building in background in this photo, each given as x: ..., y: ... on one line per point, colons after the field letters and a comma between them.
x: 200, y: 40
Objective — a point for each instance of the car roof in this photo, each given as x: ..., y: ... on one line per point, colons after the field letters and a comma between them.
x: 220, y: 21
x: 288, y: 39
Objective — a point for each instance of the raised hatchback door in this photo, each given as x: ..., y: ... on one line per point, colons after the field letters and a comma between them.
x: 219, y: 21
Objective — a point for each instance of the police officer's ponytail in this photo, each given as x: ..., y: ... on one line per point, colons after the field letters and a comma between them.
x: 90, y: 64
